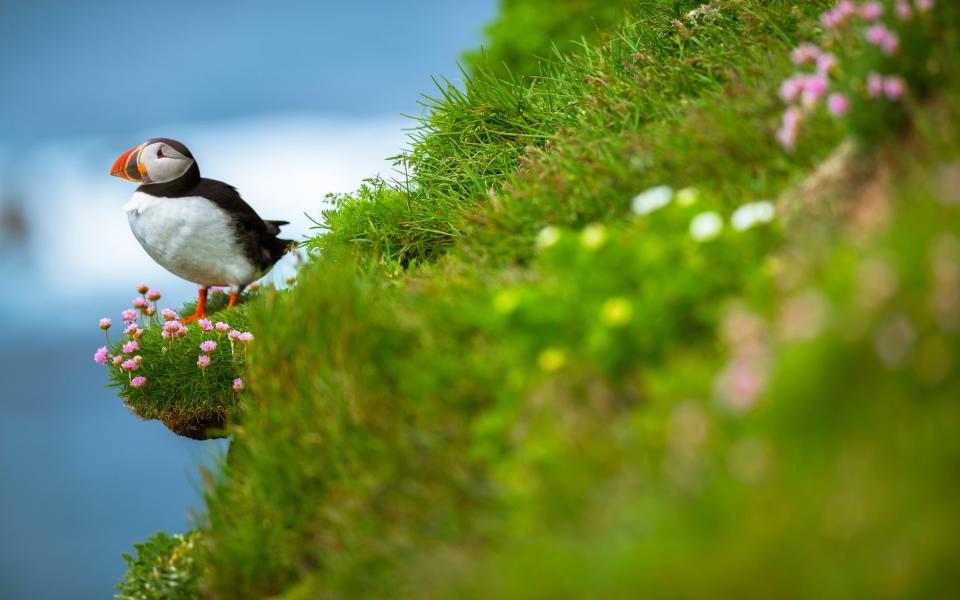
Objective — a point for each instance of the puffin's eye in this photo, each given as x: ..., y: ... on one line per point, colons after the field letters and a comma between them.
x: 159, y: 151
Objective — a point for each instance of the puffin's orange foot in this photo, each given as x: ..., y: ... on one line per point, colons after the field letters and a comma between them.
x: 201, y: 311
x: 233, y: 298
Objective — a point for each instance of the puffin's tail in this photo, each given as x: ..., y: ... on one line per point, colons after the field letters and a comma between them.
x: 275, y: 247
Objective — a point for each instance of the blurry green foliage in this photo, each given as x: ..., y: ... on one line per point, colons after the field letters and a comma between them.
x: 165, y: 568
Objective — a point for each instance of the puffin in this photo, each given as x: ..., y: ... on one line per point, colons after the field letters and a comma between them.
x: 199, y: 229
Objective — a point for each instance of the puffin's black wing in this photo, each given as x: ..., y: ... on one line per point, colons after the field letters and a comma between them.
x: 259, y: 237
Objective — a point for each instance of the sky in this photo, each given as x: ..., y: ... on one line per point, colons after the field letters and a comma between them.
x: 288, y: 101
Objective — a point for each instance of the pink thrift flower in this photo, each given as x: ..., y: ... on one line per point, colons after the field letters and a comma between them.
x: 171, y: 325
x: 825, y: 63
x: 254, y: 287
x: 166, y: 335
x: 805, y: 53
x: 169, y: 315
x: 208, y: 346
x: 879, y: 35
x: 894, y: 87
x: 130, y: 347
x: 234, y: 334
x: 221, y: 326
x: 117, y: 360
x: 139, y: 302
x: 923, y: 5
x: 216, y: 289
x: 874, y: 85
x: 138, y: 381
x: 102, y: 355
x: 105, y: 324
x: 153, y: 295
x: 203, y: 361
x: 131, y: 330
x: 142, y: 288
x: 787, y: 134
x: 838, y: 105
x: 238, y: 385
x: 903, y: 10
x: 245, y: 337
x: 149, y: 311
x: 871, y: 11
x: 130, y: 365
x: 205, y: 325
x: 129, y: 316
x: 791, y: 88
x: 138, y: 334
x: 814, y: 87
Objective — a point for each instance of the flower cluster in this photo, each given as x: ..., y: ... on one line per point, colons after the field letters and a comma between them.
x: 814, y: 87
x: 709, y: 224
x: 145, y: 313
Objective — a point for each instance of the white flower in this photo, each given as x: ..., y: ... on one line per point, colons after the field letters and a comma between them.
x: 593, y: 236
x: 706, y: 226
x: 688, y: 196
x: 753, y: 213
x: 548, y: 237
x: 653, y: 199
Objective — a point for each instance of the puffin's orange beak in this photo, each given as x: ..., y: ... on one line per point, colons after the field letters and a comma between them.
x: 128, y: 166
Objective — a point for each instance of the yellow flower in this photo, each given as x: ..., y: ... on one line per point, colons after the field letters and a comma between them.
x: 616, y: 312
x: 551, y: 359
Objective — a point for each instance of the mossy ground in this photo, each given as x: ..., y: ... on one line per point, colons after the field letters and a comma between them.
x: 455, y: 402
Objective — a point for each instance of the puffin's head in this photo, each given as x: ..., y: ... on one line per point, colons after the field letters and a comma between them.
x: 158, y: 160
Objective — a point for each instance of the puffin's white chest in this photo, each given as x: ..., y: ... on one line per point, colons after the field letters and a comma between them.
x: 191, y: 237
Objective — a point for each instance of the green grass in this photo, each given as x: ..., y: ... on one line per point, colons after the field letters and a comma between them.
x: 457, y: 402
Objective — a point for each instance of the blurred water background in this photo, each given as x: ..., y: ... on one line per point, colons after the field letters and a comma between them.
x: 287, y: 101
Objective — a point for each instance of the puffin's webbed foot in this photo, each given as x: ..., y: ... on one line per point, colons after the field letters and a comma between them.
x: 234, y: 294
x: 201, y: 311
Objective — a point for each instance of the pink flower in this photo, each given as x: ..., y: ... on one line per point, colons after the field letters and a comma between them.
x: 253, y: 287
x: 871, y: 11
x: 129, y: 316
x: 787, y: 134
x: 205, y: 325
x: 142, y: 288
x: 874, y: 85
x: 894, y: 87
x: 791, y: 88
x: 879, y: 35
x: 139, y: 302
x: 169, y: 315
x: 923, y: 5
x: 238, y: 385
x: 234, y: 334
x: 117, y: 360
x: 130, y: 365
x: 832, y: 19
x: 245, y: 337
x: 221, y: 326
x: 903, y: 10
x: 138, y: 381
x: 838, y: 105
x: 814, y: 87
x: 138, y: 334
x: 805, y: 53
x: 105, y: 323
x: 208, y: 346
x: 216, y: 289
x: 171, y: 325
x: 131, y: 330
x: 153, y: 295
x: 149, y: 311
x: 203, y: 361
x: 825, y: 63
x: 130, y: 347
x: 102, y: 355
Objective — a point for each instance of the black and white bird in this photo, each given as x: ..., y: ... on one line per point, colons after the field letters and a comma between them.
x: 198, y: 229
